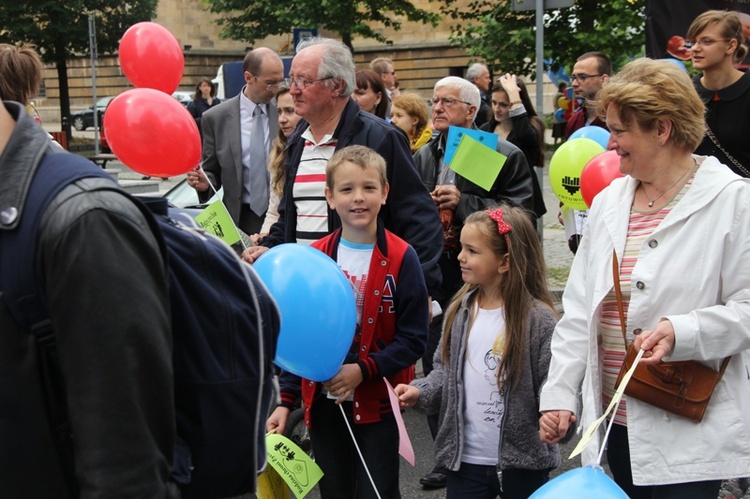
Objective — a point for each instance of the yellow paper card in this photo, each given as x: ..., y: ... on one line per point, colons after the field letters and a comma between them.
x: 588, y: 435
x: 476, y: 162
x: 293, y: 464
x: 216, y: 220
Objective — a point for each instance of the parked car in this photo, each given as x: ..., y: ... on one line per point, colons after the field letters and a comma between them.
x: 184, y: 98
x: 81, y: 120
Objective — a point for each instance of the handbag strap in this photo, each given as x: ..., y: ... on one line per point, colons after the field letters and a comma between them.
x: 618, y: 294
x: 736, y: 163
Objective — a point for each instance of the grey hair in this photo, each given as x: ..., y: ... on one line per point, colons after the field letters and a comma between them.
x: 337, y: 62
x: 475, y: 70
x: 467, y: 90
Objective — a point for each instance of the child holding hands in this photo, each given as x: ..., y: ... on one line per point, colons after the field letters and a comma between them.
x: 491, y: 363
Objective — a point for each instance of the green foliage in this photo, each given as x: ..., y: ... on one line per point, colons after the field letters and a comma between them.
x: 492, y: 31
x: 249, y: 21
x: 59, y: 28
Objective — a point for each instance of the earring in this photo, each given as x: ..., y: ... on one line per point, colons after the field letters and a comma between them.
x: 659, y: 142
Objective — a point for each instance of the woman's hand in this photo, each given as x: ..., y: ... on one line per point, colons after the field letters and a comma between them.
x: 657, y: 343
x: 510, y: 85
x: 554, y: 425
x: 407, y: 395
x: 276, y: 422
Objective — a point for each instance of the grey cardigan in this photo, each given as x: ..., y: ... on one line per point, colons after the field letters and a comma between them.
x: 442, y: 390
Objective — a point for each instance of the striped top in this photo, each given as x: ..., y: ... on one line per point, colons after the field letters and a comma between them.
x: 308, y: 191
x: 640, y: 226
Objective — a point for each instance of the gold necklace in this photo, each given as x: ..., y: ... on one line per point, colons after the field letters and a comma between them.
x: 652, y: 201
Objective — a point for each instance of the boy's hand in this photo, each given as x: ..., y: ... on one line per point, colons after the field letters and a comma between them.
x: 277, y: 420
x: 407, y: 394
x: 343, y: 384
x: 253, y: 253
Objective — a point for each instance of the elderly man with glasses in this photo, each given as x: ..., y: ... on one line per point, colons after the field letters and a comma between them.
x: 237, y: 136
x: 454, y: 103
x: 321, y: 83
x: 590, y: 73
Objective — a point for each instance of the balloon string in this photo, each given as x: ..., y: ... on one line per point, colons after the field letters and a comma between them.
x: 348, y: 426
x: 242, y: 239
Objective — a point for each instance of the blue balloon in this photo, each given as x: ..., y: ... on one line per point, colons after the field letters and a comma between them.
x: 595, y: 133
x: 317, y: 308
x: 560, y: 115
x: 581, y: 483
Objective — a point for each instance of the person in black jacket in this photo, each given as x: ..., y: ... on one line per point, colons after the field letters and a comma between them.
x: 105, y: 283
x: 322, y: 81
x: 203, y: 100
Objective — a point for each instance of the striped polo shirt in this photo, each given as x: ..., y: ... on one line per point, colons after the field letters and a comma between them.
x: 308, y: 191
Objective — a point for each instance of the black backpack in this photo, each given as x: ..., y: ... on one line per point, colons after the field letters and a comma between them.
x: 223, y: 349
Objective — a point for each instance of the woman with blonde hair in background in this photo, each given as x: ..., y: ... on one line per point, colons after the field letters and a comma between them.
x: 287, y: 123
x: 409, y: 113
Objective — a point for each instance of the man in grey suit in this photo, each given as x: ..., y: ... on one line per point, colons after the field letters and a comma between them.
x: 237, y: 135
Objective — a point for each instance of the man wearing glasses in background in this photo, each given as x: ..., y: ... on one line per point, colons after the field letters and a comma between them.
x: 384, y: 67
x: 321, y: 83
x: 455, y: 102
x: 590, y: 73
x: 237, y: 135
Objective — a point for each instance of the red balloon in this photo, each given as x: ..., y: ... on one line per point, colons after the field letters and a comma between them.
x: 151, y: 57
x: 598, y: 173
x: 152, y: 133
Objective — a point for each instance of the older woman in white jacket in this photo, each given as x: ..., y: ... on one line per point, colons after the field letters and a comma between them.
x: 680, y: 227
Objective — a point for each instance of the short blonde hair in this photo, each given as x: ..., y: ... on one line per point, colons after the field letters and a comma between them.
x: 646, y: 91
x: 415, y: 106
x: 730, y: 25
x: 361, y: 156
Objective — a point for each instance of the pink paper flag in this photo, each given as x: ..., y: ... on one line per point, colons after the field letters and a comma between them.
x: 404, y: 442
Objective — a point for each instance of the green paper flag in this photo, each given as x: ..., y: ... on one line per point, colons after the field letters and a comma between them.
x: 476, y: 162
x: 293, y: 464
x: 216, y: 220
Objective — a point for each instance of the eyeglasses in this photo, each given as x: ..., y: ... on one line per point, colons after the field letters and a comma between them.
x: 302, y: 82
x: 448, y: 102
x: 392, y: 73
x: 706, y: 42
x: 582, y: 77
x: 271, y: 86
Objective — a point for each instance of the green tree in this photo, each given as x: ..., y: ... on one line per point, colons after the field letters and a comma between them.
x: 493, y: 31
x: 249, y: 21
x: 59, y: 29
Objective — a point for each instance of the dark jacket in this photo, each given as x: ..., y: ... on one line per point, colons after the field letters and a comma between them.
x: 106, y: 288
x: 199, y: 106
x: 524, y: 136
x: 409, y: 212
x: 512, y: 185
x: 728, y: 116
x: 578, y: 120
x: 393, y: 331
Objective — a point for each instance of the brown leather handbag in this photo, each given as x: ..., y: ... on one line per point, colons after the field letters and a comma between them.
x: 683, y: 388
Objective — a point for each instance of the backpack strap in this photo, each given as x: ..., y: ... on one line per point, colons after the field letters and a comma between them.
x: 19, y: 282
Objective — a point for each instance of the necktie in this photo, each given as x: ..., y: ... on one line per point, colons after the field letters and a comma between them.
x: 258, y: 171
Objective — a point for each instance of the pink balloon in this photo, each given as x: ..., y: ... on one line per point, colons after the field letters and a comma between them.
x: 151, y: 57
x: 598, y: 173
x: 152, y: 133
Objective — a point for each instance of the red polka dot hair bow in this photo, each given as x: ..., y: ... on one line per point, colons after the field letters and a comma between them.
x: 497, y: 215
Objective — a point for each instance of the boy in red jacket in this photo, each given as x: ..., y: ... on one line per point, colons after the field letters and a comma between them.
x: 392, y: 325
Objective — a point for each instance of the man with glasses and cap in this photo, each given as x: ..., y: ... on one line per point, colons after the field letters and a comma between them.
x: 455, y: 102
x: 590, y: 73
x: 322, y: 79
x: 237, y: 135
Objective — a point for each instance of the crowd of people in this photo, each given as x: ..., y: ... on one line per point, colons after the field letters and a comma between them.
x: 447, y: 271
